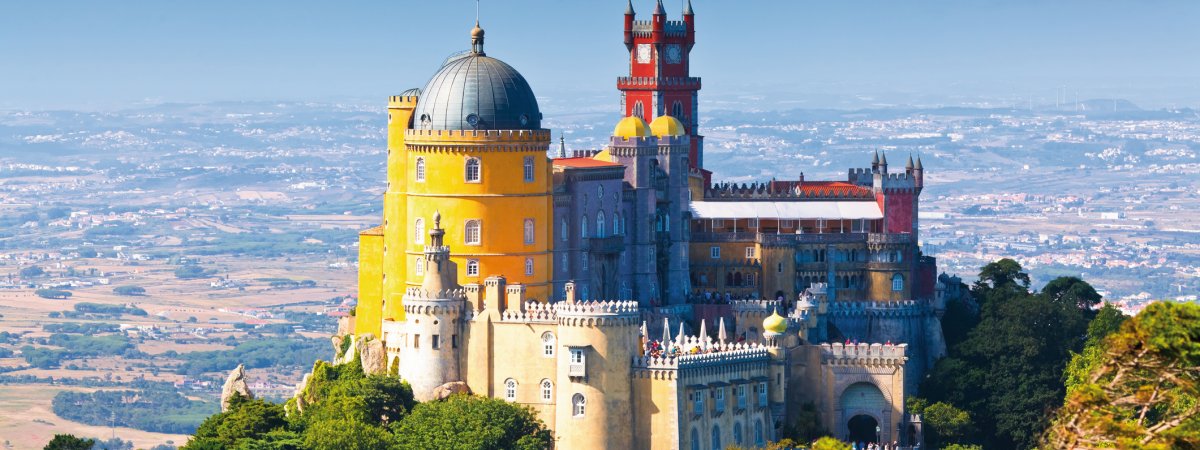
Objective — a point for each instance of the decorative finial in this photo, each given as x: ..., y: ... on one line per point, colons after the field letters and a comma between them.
x: 477, y: 34
x: 883, y: 158
x: 875, y: 160
x: 437, y: 219
x: 909, y: 165
x: 562, y: 146
x: 629, y: 8
x: 659, y: 10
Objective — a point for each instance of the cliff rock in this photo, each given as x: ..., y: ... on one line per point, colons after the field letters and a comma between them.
x: 235, y: 384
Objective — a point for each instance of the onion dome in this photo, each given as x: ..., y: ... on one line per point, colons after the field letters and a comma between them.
x: 477, y: 92
x: 775, y: 323
x: 667, y: 126
x: 631, y: 127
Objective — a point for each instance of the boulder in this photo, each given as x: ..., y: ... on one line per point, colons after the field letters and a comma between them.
x: 235, y: 384
x: 448, y: 389
x: 337, y: 340
x: 371, y: 354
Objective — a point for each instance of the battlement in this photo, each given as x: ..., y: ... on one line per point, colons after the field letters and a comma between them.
x: 477, y: 136
x: 634, y: 141
x: 664, y: 83
x: 863, y: 354
x: 402, y: 101
x: 767, y: 191
x: 755, y: 305
x: 418, y: 294
x: 534, y: 312
x: 692, y: 355
x: 597, y: 308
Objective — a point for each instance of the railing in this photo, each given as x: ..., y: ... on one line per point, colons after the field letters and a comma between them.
x: 889, y: 238
x: 576, y: 370
x: 717, y: 237
x: 610, y: 244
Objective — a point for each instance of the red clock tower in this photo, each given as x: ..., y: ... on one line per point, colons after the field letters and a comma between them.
x: 658, y: 83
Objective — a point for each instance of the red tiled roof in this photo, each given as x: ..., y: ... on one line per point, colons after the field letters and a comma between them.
x: 831, y: 188
x: 583, y: 162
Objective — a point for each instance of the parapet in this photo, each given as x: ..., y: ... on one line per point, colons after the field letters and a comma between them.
x: 443, y: 295
x: 597, y: 308
x: 402, y: 102
x: 534, y: 312
x: 863, y: 354
x: 716, y: 354
x: 423, y: 136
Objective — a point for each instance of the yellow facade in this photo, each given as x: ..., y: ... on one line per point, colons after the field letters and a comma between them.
x: 370, y: 282
x: 395, y: 212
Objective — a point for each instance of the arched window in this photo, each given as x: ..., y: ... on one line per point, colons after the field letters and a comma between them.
x: 421, y: 170
x: 472, y: 174
x: 639, y: 110
x: 528, y: 231
x: 616, y: 223
x: 419, y: 231
x: 548, y: 344
x: 738, y: 438
x: 563, y: 230
x: 897, y: 282
x: 529, y: 266
x: 471, y: 232
x: 666, y: 221
x: 737, y: 278
x: 600, y: 224
x: 510, y: 389
x: 420, y: 266
x: 759, y: 439
x: 528, y: 169
x: 547, y: 391
x: 578, y: 405
x: 472, y: 267
x: 677, y: 110
x: 695, y: 439
x: 716, y: 437
x: 583, y: 224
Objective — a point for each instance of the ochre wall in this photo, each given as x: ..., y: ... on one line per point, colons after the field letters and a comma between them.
x: 370, y: 283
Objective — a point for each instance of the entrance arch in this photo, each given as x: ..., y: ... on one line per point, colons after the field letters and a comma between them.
x: 862, y: 429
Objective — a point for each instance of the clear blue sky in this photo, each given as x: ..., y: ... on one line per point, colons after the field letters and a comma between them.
x: 104, y: 54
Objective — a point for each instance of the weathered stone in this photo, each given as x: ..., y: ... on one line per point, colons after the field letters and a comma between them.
x: 371, y: 354
x: 337, y: 340
x: 235, y: 384
x: 448, y: 389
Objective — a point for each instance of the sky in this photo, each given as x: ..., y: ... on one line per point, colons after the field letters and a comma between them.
x: 81, y: 54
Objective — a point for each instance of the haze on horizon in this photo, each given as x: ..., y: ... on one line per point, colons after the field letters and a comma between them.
x: 103, y: 55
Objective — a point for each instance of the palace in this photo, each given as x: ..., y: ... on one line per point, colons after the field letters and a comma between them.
x: 622, y: 294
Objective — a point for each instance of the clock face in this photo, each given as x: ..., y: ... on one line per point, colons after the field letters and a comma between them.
x: 674, y: 54
x: 643, y: 53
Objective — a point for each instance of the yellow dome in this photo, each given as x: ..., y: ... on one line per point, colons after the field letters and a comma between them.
x: 630, y: 127
x: 667, y: 126
x: 605, y: 156
x: 775, y: 323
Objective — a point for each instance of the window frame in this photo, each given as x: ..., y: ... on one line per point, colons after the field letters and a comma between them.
x: 472, y: 228
x: 419, y: 230
x: 529, y: 231
x: 472, y: 268
x: 470, y: 162
x: 528, y: 169
x: 420, y: 169
x: 510, y: 390
x: 714, y: 252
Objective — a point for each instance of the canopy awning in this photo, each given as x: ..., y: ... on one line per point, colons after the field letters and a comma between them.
x: 793, y: 210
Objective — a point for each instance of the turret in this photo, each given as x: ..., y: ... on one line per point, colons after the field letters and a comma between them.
x: 429, y: 343
x: 594, y: 393
x: 629, y: 15
x: 689, y: 19
x: 875, y: 163
x: 659, y: 27
x: 918, y: 173
x: 883, y: 163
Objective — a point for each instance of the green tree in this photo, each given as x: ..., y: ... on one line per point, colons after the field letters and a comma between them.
x: 1107, y: 321
x: 190, y: 271
x: 69, y: 442
x: 129, y: 290
x: 1072, y: 290
x: 472, y: 423
x: 247, y: 419
x: 54, y: 294
x: 345, y: 434
x: 32, y: 272
x: 807, y: 426
x: 828, y: 443
x: 1145, y: 392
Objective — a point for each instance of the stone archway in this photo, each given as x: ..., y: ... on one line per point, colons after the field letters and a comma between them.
x: 863, y: 428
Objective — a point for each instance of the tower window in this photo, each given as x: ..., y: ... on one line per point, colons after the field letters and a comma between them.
x: 616, y: 223
x: 564, y: 263
x: 421, y: 170
x: 528, y: 231
x: 583, y: 224
x: 420, y: 266
x: 472, y: 267
x: 437, y: 341
x: 548, y: 344
x: 578, y: 405
x: 563, y: 230
x: 750, y: 254
x: 529, y: 266
x: 638, y: 109
x: 510, y: 389
x: 472, y: 174
x: 677, y: 110
x: 528, y: 169
x: 714, y: 252
x: 419, y: 231
x: 897, y: 282
x: 547, y: 391
x: 600, y: 224
x: 472, y: 232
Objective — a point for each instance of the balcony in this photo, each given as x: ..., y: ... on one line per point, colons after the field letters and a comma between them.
x: 889, y: 238
x: 576, y: 370
x: 610, y: 244
x: 717, y: 237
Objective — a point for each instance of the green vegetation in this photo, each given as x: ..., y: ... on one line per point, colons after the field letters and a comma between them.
x: 32, y: 272
x: 100, y: 309
x: 256, y: 354
x: 341, y: 408
x: 53, y: 294
x: 129, y: 290
x: 161, y: 410
x: 1137, y: 387
x: 192, y: 271
x: 88, y: 328
x: 76, y: 346
x: 943, y: 423
x: 1004, y: 371
x: 69, y: 442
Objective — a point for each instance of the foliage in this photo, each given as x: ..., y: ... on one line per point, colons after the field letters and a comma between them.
x: 1007, y: 374
x: 346, y: 434
x: 944, y: 424
x: 108, y: 310
x: 255, y: 354
x: 76, y: 346
x: 961, y: 447
x: 192, y: 271
x: 1108, y: 320
x: 161, y: 410
x: 246, y: 419
x: 807, y: 426
x: 53, y: 294
x: 471, y: 422
x: 1072, y: 290
x: 113, y: 443
x: 31, y: 272
x: 89, y: 328
x: 129, y: 290
x: 69, y: 442
x: 1145, y: 391
x: 828, y: 443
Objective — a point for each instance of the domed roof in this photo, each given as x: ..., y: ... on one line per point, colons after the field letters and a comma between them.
x: 631, y: 126
x: 775, y: 323
x: 414, y: 92
x: 477, y: 92
x: 667, y: 126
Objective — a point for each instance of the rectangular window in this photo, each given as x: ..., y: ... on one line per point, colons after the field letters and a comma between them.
x: 528, y: 169
x: 762, y: 394
x: 698, y: 402
x: 718, y: 223
x: 576, y: 356
x: 785, y: 224
x: 741, y: 396
x: 416, y: 341
x: 454, y: 341
x: 472, y: 267
x: 750, y: 253
x: 714, y: 252
x: 752, y: 223
x: 529, y: 266
x: 437, y: 342
x: 719, y: 404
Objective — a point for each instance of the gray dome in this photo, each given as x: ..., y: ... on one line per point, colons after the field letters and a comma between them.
x: 414, y: 92
x: 477, y: 92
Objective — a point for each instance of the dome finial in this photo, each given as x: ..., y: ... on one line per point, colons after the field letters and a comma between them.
x: 477, y: 34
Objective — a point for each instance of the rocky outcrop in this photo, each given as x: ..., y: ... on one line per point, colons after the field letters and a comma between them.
x: 235, y: 384
x: 448, y: 389
x: 299, y: 394
x: 371, y: 354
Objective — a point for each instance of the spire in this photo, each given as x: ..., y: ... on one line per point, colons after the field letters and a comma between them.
x: 644, y: 338
x: 435, y: 235
x: 562, y: 147
x: 629, y: 9
x: 883, y: 159
x: 721, y: 336
x: 919, y: 165
x: 909, y: 165
x: 659, y: 10
x: 666, y: 331
x: 703, y: 329
x: 875, y: 160
x: 679, y: 338
x: 687, y: 10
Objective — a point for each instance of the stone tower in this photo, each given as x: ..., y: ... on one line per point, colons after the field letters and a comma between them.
x: 429, y: 352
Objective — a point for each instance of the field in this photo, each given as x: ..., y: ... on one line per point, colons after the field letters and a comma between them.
x: 26, y: 421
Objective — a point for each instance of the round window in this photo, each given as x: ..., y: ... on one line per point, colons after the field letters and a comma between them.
x: 473, y: 120
x: 524, y: 119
